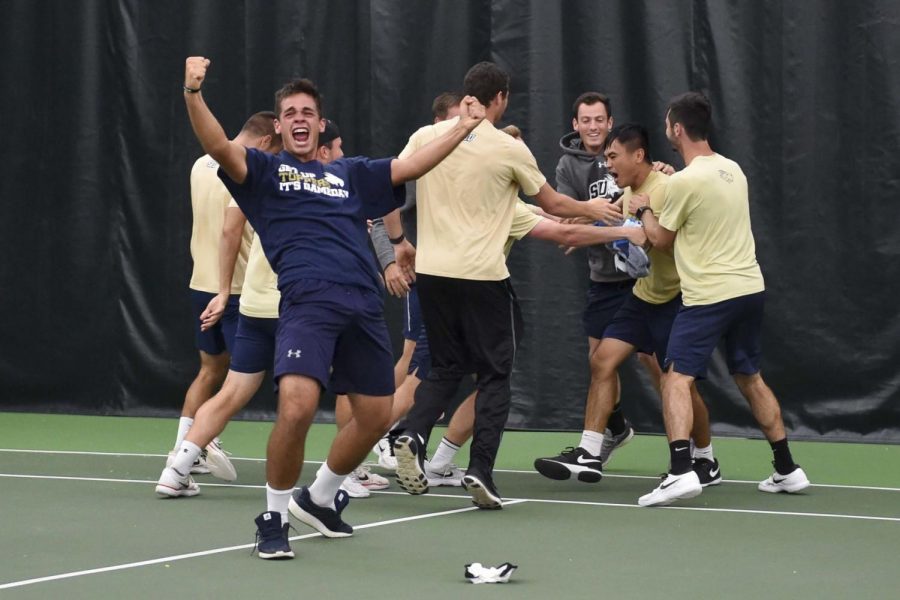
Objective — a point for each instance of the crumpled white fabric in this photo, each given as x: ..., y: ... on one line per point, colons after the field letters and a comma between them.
x: 478, y: 573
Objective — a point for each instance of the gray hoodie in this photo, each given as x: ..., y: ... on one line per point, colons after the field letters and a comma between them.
x: 584, y: 176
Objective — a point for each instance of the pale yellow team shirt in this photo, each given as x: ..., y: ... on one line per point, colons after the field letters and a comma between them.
x: 524, y: 220
x: 662, y: 283
x: 209, y: 199
x: 260, y: 295
x: 467, y: 202
x: 707, y: 204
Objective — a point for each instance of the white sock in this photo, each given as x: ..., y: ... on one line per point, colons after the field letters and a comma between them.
x: 184, y: 424
x: 444, y: 455
x: 591, y: 441
x: 325, y: 486
x: 185, y: 456
x: 277, y: 501
x: 706, y: 453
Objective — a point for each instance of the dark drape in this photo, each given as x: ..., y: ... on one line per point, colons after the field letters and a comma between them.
x: 95, y: 217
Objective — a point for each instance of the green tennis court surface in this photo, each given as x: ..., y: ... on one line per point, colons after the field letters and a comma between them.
x: 80, y: 520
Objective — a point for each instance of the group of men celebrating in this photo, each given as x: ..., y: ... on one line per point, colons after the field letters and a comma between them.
x: 309, y: 211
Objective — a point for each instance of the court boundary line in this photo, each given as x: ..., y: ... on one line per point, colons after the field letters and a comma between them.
x: 222, y: 550
x: 517, y: 471
x: 506, y: 501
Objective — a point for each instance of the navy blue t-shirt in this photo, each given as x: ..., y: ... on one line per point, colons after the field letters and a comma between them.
x: 311, y: 217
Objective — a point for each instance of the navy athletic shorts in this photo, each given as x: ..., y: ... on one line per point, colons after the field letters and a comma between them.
x: 645, y: 326
x: 220, y: 337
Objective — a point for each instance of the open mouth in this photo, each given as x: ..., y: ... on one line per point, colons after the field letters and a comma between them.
x: 300, y: 134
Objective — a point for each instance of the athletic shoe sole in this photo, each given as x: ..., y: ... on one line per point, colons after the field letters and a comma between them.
x: 219, y: 464
x: 482, y: 497
x: 410, y: 476
x: 280, y: 555
x: 166, y: 491
x: 311, y: 520
x: 563, y: 471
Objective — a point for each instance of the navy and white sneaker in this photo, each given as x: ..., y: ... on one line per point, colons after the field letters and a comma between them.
x: 325, y: 520
x: 484, y: 494
x: 707, y: 471
x: 571, y: 461
x: 410, y: 453
x: 272, y: 537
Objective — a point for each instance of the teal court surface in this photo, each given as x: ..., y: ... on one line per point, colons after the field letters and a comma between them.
x: 80, y: 519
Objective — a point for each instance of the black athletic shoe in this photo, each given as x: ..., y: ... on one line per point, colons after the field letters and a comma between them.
x: 272, y: 537
x: 410, y: 453
x: 707, y: 471
x: 326, y: 521
x: 484, y: 494
x: 571, y: 461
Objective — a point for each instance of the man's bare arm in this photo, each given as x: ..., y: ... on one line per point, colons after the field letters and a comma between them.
x: 231, y: 156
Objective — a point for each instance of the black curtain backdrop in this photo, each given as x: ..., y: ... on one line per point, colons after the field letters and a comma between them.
x: 96, y: 215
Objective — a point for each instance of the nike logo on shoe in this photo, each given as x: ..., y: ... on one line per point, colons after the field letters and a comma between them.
x: 585, y: 461
x: 714, y: 473
x: 664, y: 486
x: 776, y: 480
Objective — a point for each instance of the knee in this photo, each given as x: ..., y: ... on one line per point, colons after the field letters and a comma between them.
x: 602, y: 367
x: 749, y: 385
x: 214, y: 367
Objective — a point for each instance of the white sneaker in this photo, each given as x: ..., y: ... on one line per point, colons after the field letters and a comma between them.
x: 794, y: 481
x: 172, y: 484
x: 369, y: 480
x: 218, y: 463
x: 450, y: 475
x: 198, y: 468
x: 672, y: 488
x: 385, y: 454
x: 354, y: 488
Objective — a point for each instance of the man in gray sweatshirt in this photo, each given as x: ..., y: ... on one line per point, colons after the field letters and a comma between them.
x: 582, y: 174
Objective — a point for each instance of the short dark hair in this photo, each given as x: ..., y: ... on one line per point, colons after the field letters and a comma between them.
x: 590, y: 98
x: 693, y: 111
x: 331, y: 133
x: 484, y: 81
x: 442, y: 104
x: 298, y: 86
x: 632, y: 136
x: 261, y: 124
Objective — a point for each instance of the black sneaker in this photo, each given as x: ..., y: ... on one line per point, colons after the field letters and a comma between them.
x: 571, y: 461
x: 410, y: 453
x: 272, y: 537
x: 326, y: 521
x: 707, y: 471
x: 484, y: 494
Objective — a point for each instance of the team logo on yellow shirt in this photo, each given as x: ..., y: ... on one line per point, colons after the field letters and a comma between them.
x: 725, y: 175
x: 292, y: 179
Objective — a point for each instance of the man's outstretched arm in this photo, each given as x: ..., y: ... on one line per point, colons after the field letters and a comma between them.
x: 231, y: 156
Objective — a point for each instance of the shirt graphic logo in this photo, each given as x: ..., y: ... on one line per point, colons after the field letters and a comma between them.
x: 726, y: 176
x: 470, y: 138
x: 294, y: 353
x: 291, y: 179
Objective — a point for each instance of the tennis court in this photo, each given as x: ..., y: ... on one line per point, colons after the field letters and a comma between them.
x: 81, y: 520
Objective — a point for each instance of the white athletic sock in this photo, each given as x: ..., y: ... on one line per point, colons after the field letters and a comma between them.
x: 591, y: 441
x: 325, y: 486
x: 277, y: 501
x: 444, y: 455
x: 185, y: 456
x: 706, y: 453
x: 184, y: 424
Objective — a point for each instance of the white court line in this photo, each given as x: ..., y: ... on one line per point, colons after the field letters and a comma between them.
x: 166, y: 559
x: 506, y: 500
x: 318, y: 462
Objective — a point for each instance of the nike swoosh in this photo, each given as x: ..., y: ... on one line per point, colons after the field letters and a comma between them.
x: 714, y: 474
x: 782, y: 480
x: 585, y: 461
x: 664, y: 486
x: 680, y: 449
